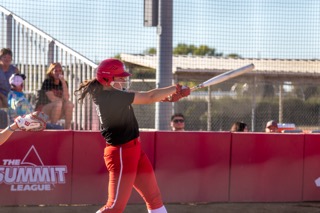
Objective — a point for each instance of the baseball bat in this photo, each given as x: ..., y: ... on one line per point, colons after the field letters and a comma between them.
x: 224, y: 76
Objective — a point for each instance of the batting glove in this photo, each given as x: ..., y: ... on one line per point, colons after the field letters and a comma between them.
x: 172, y: 98
x: 184, y: 91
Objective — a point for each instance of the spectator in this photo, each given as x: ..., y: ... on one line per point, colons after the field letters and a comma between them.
x: 3, y: 119
x: 18, y: 103
x: 6, y: 70
x: 177, y: 122
x: 272, y: 126
x: 239, y: 127
x: 53, y: 98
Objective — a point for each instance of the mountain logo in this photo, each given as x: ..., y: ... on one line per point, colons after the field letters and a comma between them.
x: 30, y: 173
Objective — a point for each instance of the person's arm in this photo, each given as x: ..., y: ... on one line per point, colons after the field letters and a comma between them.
x: 3, y: 99
x: 47, y: 90
x: 52, y: 97
x: 65, y: 91
x: 17, y: 70
x: 154, y: 95
x: 7, y: 132
x: 23, y: 107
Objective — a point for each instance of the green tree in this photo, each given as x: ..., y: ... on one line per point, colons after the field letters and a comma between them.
x: 117, y: 56
x: 185, y: 49
x: 204, y: 50
x: 150, y: 51
x: 233, y: 55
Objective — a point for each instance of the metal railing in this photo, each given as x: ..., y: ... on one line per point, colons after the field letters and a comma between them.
x: 33, y: 50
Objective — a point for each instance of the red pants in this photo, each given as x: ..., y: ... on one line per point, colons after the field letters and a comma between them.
x: 129, y: 167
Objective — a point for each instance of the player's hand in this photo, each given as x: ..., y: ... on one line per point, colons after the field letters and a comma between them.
x: 184, y: 91
x: 35, y: 121
x: 181, y: 91
x: 172, y: 98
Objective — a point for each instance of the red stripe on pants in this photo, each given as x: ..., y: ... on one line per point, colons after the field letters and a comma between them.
x: 129, y: 167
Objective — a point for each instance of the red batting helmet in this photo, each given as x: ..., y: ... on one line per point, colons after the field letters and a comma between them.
x: 110, y: 68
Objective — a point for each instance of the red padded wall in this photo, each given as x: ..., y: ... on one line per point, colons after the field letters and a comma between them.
x: 311, y: 192
x: 189, y: 166
x: 266, y: 167
x: 90, y: 177
x: 193, y: 166
x: 48, y: 151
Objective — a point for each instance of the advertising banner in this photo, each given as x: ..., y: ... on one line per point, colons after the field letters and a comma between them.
x: 35, y: 168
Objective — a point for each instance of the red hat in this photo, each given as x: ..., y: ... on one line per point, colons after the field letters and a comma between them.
x: 110, y: 68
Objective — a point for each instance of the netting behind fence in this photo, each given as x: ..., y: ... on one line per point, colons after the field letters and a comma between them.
x: 79, y: 34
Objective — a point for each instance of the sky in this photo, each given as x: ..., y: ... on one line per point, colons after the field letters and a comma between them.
x: 282, y: 29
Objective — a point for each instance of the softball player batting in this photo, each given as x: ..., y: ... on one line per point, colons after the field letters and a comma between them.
x: 127, y: 164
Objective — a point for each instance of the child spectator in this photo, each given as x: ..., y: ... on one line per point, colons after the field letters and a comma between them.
x: 17, y: 101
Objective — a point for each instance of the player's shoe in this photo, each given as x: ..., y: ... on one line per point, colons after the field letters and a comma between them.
x: 102, y: 209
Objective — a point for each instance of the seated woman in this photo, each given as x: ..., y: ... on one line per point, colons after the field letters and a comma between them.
x: 53, y: 98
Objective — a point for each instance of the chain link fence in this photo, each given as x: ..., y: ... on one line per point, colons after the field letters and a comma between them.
x: 216, y: 108
x: 245, y: 29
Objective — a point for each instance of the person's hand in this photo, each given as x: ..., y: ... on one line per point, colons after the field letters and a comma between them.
x: 184, y: 91
x: 181, y: 91
x: 35, y: 121
x: 61, y: 77
x: 172, y: 98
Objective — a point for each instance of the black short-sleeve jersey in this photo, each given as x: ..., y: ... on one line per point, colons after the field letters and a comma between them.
x: 49, y: 85
x: 117, y: 118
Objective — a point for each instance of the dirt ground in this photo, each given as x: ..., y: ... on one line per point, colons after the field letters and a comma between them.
x: 305, y: 207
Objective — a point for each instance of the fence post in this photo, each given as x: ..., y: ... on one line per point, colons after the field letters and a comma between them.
x: 280, y: 104
x: 9, y: 31
x: 51, y: 52
x: 164, y: 75
x: 209, y: 119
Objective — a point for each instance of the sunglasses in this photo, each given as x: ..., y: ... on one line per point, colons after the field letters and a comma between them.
x: 178, y: 120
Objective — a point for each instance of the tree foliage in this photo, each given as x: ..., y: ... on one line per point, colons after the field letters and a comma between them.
x: 150, y: 51
x: 185, y: 49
